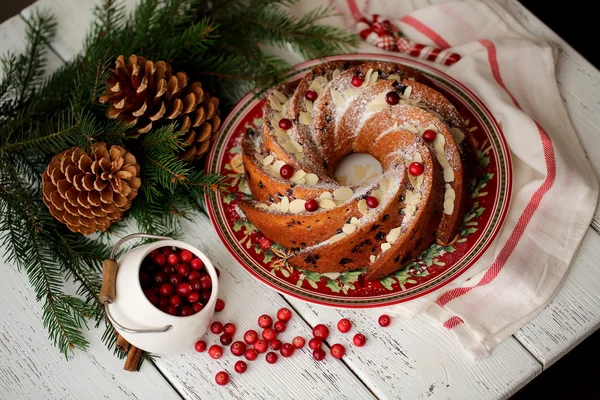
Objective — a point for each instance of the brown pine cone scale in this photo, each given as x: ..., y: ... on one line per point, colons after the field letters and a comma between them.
x: 140, y: 92
x: 90, y: 192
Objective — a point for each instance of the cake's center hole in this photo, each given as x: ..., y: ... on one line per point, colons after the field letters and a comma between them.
x: 357, y: 169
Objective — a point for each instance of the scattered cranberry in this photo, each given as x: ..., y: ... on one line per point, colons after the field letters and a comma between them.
x: 215, y: 351
x: 298, y: 342
x: 166, y: 289
x: 197, y: 307
x: 315, y: 343
x: 193, y: 297
x: 250, y: 336
x: 359, y: 340
x: 238, y: 348
x: 216, y: 327
x: 186, y: 256
x: 240, y: 367
x: 197, y: 264
x: 229, y: 328
x: 319, y: 354
x: 311, y: 95
x: 392, y: 98
x: 219, y: 305
x: 286, y: 171
x: 344, y: 325
x: 265, y: 243
x: 285, y: 124
x: 200, y: 346
x: 372, y: 201
x: 269, y: 334
x: 416, y: 168
x: 280, y: 326
x: 160, y: 259
x: 337, y: 351
x: 264, y: 321
x: 183, y: 289
x: 222, y: 378
x: 357, y: 81
x: 275, y: 344
x: 261, y: 346
x: 172, y: 259
x: 311, y: 205
x: 250, y: 354
x: 183, y: 269
x: 385, y: 320
x: 226, y: 339
x: 175, y: 300
x: 286, y: 350
x: 429, y: 135
x: 271, y: 357
x: 284, y: 314
x: 320, y: 332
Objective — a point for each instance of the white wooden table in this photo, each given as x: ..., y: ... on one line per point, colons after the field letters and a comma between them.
x: 410, y: 359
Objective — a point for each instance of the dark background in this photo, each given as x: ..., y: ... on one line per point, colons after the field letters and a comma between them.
x: 576, y: 375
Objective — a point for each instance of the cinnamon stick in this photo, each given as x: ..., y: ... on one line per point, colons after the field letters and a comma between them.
x: 134, y: 355
x: 122, y: 344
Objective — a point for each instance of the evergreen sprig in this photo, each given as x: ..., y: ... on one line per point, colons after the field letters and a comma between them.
x: 220, y: 43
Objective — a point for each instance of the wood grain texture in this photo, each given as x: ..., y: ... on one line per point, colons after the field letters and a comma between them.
x: 74, y: 18
x: 573, y: 314
x: 414, y: 359
x: 299, y: 377
x: 32, y: 368
x: 411, y: 359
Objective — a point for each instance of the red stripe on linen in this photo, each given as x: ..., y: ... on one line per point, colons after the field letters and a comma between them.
x: 452, y: 322
x: 354, y: 10
x: 425, y: 30
x: 531, y: 207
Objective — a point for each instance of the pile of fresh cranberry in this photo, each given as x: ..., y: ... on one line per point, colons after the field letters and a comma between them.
x: 175, y: 281
x: 268, y: 342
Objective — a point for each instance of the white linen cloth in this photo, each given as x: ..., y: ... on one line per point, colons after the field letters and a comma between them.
x: 554, y: 188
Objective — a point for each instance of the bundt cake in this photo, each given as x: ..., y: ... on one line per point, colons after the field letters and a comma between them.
x: 309, y: 126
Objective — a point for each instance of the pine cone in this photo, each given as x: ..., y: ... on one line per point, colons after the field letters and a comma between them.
x: 90, y: 192
x: 141, y: 92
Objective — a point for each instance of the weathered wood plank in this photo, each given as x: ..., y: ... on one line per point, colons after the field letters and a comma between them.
x: 411, y: 358
x: 299, y: 377
x: 573, y: 314
x: 32, y: 368
x: 73, y: 17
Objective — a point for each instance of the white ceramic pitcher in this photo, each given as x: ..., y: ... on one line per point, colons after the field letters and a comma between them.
x: 131, y: 313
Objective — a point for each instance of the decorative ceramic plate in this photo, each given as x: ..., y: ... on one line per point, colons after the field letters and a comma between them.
x: 436, y: 266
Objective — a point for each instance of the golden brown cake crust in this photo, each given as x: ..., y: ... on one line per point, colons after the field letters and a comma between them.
x: 341, y: 232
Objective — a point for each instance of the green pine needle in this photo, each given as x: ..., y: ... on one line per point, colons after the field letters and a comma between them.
x: 217, y: 42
